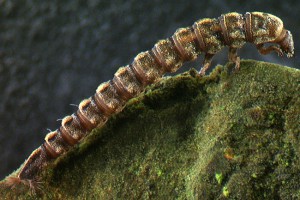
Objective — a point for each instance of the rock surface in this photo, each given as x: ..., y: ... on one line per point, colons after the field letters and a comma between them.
x: 224, y: 136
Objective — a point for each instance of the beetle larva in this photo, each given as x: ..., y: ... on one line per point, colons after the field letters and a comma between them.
x: 206, y: 35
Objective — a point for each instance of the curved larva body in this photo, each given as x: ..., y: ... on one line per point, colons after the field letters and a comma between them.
x: 206, y: 36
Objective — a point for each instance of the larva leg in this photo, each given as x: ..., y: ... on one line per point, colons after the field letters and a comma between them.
x: 266, y: 50
x: 206, y: 63
x: 233, y: 57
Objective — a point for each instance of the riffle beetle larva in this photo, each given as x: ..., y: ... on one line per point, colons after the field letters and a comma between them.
x: 206, y: 36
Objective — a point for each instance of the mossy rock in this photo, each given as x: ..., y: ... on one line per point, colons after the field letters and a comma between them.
x: 224, y: 136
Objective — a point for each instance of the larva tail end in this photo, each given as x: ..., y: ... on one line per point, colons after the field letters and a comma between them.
x: 34, y: 185
x: 12, y: 181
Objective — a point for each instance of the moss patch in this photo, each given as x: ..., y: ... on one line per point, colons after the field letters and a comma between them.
x: 175, y: 138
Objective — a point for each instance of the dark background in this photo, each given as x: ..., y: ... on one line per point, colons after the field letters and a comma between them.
x: 56, y: 53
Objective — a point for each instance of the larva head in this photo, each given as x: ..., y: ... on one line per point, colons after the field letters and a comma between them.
x: 266, y: 28
x: 287, y: 43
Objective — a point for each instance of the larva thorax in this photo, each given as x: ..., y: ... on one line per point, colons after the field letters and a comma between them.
x: 206, y: 36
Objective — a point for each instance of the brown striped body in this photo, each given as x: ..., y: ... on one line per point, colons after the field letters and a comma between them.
x: 206, y: 36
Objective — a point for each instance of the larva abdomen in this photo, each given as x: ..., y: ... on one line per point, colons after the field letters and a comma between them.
x: 55, y: 144
x: 107, y: 99
x: 35, y: 162
x: 126, y: 83
x: 90, y: 115
x: 207, y: 36
x: 186, y: 43
x: 166, y: 55
x: 146, y: 68
x: 72, y: 129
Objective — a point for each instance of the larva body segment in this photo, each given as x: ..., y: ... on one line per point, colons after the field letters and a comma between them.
x: 166, y: 55
x: 108, y: 100
x: 232, y: 25
x: 209, y: 33
x: 36, y: 161
x: 146, y: 68
x: 126, y: 83
x: 266, y: 30
x: 206, y: 36
x: 89, y: 114
x: 55, y: 144
x: 72, y: 128
x: 186, y: 43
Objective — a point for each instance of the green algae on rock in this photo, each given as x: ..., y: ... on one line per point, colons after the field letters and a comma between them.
x: 174, y: 139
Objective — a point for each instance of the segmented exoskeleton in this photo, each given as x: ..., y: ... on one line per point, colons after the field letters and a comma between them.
x: 206, y: 36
